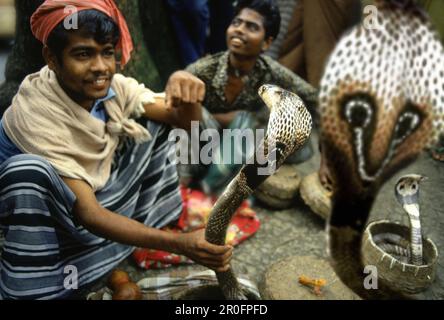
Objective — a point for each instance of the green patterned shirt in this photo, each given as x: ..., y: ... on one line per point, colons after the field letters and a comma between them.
x: 212, y: 70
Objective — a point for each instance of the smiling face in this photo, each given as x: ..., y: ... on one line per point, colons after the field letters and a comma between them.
x: 85, y: 69
x: 246, y: 34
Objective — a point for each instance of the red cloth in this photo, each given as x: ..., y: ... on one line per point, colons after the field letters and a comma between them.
x: 196, y: 209
x: 52, y: 12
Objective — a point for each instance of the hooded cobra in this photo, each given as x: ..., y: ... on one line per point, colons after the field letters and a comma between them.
x: 381, y: 102
x: 407, y: 194
x: 289, y: 127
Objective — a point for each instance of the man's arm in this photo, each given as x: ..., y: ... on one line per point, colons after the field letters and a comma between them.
x: 115, y: 227
x: 182, y: 104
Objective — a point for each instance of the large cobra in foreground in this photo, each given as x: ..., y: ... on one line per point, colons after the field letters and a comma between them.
x: 381, y: 103
x: 289, y: 127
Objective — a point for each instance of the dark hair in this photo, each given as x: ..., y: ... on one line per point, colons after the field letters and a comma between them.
x: 92, y: 23
x: 268, y: 9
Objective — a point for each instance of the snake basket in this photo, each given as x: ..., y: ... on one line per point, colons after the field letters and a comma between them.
x: 280, y: 190
x: 315, y: 195
x: 399, y: 276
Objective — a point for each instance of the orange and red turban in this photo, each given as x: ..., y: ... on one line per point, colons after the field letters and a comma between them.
x: 52, y: 12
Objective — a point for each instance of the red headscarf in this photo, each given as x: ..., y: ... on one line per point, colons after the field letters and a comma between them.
x: 52, y: 12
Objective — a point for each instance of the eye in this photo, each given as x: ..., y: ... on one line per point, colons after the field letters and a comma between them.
x: 252, y: 27
x: 358, y: 112
x: 82, y: 54
x: 109, y: 53
x: 236, y: 22
x: 414, y: 186
x: 407, y: 123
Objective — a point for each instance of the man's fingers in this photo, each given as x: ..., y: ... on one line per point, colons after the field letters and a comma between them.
x: 194, y: 91
x: 175, y: 90
x: 172, y: 92
x: 223, y: 269
x: 201, y: 92
x: 168, y: 97
x: 183, y: 87
x: 227, y: 256
x: 185, y: 91
x: 215, y: 249
x: 198, y: 92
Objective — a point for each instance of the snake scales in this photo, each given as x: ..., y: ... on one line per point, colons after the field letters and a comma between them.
x: 288, y: 129
x: 381, y: 103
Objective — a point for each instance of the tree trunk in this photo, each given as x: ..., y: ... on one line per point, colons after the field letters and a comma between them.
x: 26, y: 56
x: 141, y: 65
x: 159, y: 37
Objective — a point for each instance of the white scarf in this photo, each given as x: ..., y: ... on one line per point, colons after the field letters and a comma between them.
x: 44, y: 121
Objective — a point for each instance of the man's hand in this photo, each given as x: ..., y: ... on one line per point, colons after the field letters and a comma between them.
x: 194, y: 246
x: 183, y: 87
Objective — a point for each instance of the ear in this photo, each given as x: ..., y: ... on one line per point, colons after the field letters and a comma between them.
x: 50, y: 58
x: 267, y: 43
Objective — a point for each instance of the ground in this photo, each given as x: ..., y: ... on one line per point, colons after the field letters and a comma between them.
x: 299, y: 232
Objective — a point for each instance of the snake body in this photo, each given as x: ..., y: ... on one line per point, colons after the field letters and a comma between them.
x: 288, y: 129
x: 407, y: 193
x: 381, y: 102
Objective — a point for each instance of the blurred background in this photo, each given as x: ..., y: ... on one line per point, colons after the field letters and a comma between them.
x: 7, y: 32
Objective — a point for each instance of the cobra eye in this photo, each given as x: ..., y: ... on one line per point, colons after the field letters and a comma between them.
x: 407, y: 123
x: 358, y: 112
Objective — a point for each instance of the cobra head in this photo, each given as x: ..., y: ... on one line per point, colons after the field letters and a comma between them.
x: 407, y: 189
x: 381, y: 99
x: 290, y: 122
x: 271, y: 95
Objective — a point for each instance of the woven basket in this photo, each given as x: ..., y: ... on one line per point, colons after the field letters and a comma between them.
x: 280, y: 190
x: 315, y: 195
x: 401, y: 277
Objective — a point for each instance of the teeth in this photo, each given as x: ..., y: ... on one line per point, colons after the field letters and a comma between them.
x: 238, y: 40
x: 99, y: 82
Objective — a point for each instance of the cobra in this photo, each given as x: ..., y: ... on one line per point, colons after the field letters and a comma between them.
x: 288, y: 129
x: 381, y: 102
x: 407, y: 251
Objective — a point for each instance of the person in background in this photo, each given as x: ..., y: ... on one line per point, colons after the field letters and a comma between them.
x: 191, y: 20
x: 232, y: 79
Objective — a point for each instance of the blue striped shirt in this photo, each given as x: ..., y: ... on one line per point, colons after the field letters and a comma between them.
x: 9, y: 149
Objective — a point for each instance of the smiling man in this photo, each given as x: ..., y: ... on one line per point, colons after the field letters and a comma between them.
x: 81, y: 180
x: 232, y: 79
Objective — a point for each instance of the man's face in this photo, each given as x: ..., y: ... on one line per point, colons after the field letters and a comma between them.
x: 246, y: 34
x: 86, y: 69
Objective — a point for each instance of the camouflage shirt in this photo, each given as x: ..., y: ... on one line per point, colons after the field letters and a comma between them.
x: 213, y: 71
